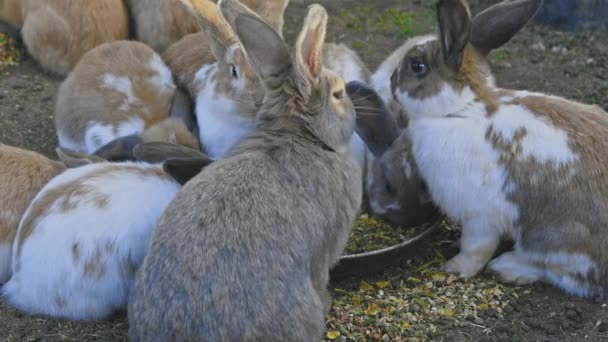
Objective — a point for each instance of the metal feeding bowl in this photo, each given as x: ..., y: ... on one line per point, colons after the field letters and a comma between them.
x: 369, y: 262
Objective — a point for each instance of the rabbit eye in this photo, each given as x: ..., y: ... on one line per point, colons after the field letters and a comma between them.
x: 339, y: 94
x: 234, y: 71
x: 419, y: 68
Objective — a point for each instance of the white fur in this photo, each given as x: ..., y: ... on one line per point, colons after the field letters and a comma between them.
x: 49, y: 274
x: 448, y: 101
x: 98, y: 134
x: 543, y: 141
x: 66, y: 142
x: 163, y: 78
x: 123, y: 85
x: 359, y: 149
x: 220, y: 123
x: 5, y: 261
x: 462, y: 169
x: 469, y: 189
x: 523, y: 267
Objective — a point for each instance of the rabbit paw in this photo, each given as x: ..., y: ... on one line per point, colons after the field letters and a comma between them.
x: 465, y: 266
x: 512, y: 268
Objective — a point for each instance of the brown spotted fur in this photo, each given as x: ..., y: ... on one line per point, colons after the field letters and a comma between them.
x: 22, y: 174
x: 57, y: 33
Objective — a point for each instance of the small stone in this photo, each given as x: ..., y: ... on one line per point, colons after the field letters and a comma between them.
x: 479, y: 321
x: 570, y: 306
x: 526, y: 328
x: 570, y: 314
x: 603, y: 327
x: 566, y: 324
x: 579, y: 309
x: 552, y: 314
x: 470, y: 318
x: 551, y: 339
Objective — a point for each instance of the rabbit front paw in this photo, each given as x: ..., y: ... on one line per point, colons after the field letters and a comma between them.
x: 463, y: 265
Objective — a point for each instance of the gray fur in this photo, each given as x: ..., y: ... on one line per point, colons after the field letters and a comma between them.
x: 119, y: 149
x: 243, y: 253
x: 72, y: 159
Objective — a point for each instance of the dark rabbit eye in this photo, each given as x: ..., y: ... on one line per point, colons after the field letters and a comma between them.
x: 234, y: 71
x: 339, y: 94
x: 418, y: 67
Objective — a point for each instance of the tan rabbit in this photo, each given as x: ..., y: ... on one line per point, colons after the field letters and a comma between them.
x: 243, y: 253
x: 160, y: 23
x: 22, y: 174
x: 57, y: 33
x: 118, y: 89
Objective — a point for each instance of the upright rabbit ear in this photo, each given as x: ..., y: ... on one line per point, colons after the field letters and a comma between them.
x: 222, y: 38
x: 184, y: 169
x: 495, y: 26
x: 72, y: 159
x: 376, y: 125
x: 158, y: 152
x: 119, y: 149
x: 309, y: 45
x: 267, y: 52
x: 454, y: 20
x: 272, y: 11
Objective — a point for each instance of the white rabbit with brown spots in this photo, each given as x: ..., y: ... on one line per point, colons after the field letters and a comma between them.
x: 118, y: 89
x: 57, y: 33
x: 529, y: 166
x: 84, y: 235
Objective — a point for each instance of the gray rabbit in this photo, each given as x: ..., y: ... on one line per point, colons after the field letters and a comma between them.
x: 244, y: 251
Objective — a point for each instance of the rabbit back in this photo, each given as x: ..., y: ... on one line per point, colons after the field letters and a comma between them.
x: 83, y: 237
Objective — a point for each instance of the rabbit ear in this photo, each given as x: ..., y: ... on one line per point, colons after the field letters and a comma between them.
x: 272, y: 11
x: 184, y: 169
x: 158, y: 152
x: 376, y: 125
x: 309, y: 45
x: 119, y: 149
x: 210, y: 20
x: 454, y: 20
x: 267, y: 52
x: 72, y: 159
x: 495, y: 26
x: 181, y: 108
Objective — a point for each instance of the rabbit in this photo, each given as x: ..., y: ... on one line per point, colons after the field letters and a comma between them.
x: 22, y: 174
x: 218, y: 75
x: 160, y: 23
x: 394, y: 187
x: 243, y: 253
x: 83, y: 237
x: 58, y: 33
x: 528, y: 166
x: 118, y: 89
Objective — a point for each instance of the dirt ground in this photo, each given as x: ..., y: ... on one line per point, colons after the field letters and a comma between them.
x: 574, y: 65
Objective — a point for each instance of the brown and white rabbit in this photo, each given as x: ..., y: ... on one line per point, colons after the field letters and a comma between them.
x: 57, y: 33
x: 526, y: 165
x: 213, y: 67
x: 258, y: 230
x: 118, y: 89
x: 84, y: 235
